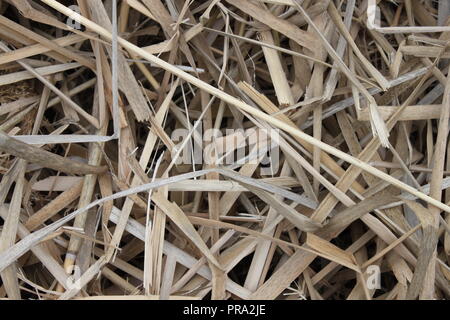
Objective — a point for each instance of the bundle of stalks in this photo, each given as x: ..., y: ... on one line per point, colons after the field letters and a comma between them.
x: 224, y: 149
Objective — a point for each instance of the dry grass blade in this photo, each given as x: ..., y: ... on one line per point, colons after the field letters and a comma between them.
x: 44, y: 158
x: 224, y: 149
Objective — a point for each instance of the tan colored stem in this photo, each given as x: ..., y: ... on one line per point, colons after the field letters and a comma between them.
x: 44, y: 158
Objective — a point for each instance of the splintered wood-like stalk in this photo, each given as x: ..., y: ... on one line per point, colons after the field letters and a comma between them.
x: 44, y: 158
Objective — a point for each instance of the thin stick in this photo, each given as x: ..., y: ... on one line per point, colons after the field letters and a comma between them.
x: 44, y: 158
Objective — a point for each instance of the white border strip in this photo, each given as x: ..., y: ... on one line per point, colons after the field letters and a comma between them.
x: 372, y: 25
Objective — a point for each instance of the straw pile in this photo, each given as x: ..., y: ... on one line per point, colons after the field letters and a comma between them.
x: 128, y: 169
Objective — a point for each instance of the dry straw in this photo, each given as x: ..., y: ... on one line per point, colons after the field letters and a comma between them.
x: 118, y: 121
